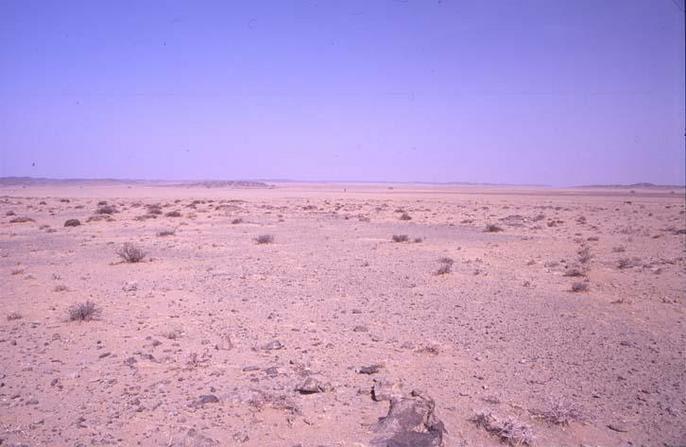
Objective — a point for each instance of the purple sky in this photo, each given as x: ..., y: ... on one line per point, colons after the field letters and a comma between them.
x: 553, y: 92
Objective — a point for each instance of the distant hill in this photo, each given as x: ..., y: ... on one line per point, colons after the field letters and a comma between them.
x: 642, y: 185
x: 40, y: 181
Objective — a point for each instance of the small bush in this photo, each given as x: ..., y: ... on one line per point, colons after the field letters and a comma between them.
x: 575, y: 271
x: 405, y: 216
x: 446, y: 266
x: 626, y: 263
x: 21, y: 220
x: 562, y: 413
x: 83, y: 311
x: 14, y: 316
x: 106, y: 209
x: 72, y: 223
x: 154, y: 209
x: 400, y: 238
x: 60, y: 288
x: 493, y: 228
x: 264, y: 239
x: 130, y: 253
x: 578, y: 287
x: 236, y: 221
x: 164, y: 233
x: 509, y: 431
x: 417, y: 240
x: 173, y: 214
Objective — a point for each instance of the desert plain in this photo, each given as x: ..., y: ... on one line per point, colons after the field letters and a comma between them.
x: 303, y: 314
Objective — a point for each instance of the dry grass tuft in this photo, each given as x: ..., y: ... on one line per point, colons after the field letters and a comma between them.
x: 164, y: 233
x: 578, y: 287
x: 130, y: 253
x: 83, y: 311
x: 14, y: 316
x: 405, y: 216
x: 562, y: 412
x: 264, y: 239
x: 400, y: 238
x: 493, y: 228
x: 106, y: 209
x: 446, y: 266
x: 508, y: 430
x: 72, y: 223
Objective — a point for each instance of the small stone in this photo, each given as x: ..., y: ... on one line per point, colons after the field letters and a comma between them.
x: 207, y: 399
x: 272, y: 346
x: 371, y: 369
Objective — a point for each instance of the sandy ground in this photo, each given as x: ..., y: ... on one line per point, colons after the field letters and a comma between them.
x: 206, y: 340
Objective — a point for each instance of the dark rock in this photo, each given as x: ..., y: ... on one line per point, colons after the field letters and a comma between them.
x: 272, y: 346
x: 72, y: 223
x: 207, y: 399
x: 371, y: 369
x: 410, y: 422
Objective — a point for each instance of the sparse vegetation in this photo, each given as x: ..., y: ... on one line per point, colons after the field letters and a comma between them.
x: 106, y: 209
x: 21, y: 219
x: 446, y: 266
x: 626, y: 263
x: 508, y: 430
x: 164, y: 233
x: 405, y: 216
x: 575, y: 271
x: 236, y: 221
x: 131, y: 253
x: 83, y: 311
x: 400, y: 238
x: 264, y: 239
x: 14, y: 316
x: 562, y: 412
x: 493, y: 228
x: 579, y: 286
x: 173, y: 214
x: 60, y: 288
x: 72, y: 223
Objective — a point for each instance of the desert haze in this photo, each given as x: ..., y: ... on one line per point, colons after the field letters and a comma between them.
x: 341, y: 315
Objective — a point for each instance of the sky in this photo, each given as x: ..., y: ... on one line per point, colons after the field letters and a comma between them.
x: 553, y: 92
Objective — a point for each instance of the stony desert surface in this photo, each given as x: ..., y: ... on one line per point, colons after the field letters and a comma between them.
x: 341, y: 315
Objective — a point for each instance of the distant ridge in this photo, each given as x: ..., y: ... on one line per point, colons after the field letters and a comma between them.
x: 634, y: 185
x: 33, y: 181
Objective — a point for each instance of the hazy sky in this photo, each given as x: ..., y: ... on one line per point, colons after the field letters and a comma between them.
x: 555, y: 92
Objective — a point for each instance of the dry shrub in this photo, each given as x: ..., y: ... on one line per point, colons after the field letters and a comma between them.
x: 626, y: 263
x: 400, y: 238
x: 21, y: 220
x: 14, y: 316
x: 236, y: 221
x: 83, y: 311
x: 446, y: 266
x: 405, y: 216
x: 575, y: 271
x: 173, y: 214
x: 130, y: 253
x: 72, y: 223
x: 164, y: 233
x: 562, y: 412
x: 493, y: 228
x: 106, y: 209
x: 508, y: 430
x: 264, y: 239
x: 579, y: 287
